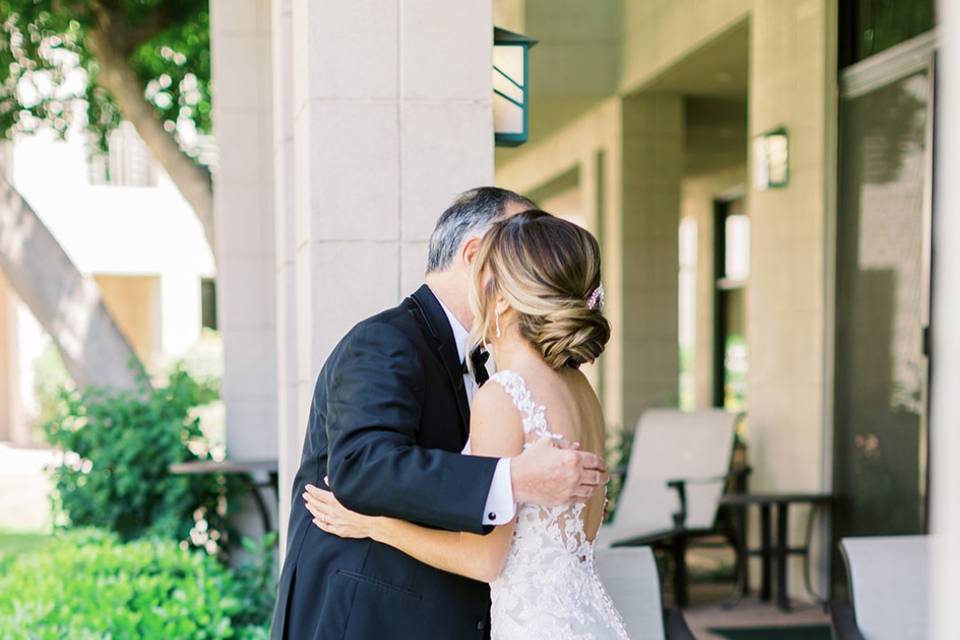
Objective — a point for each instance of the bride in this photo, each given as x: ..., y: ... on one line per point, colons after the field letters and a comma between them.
x: 537, y: 303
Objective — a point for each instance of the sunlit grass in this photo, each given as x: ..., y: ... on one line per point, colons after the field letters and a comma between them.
x: 15, y: 543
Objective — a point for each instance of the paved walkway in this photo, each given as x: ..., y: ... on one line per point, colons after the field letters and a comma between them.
x: 706, y: 612
x: 24, y: 489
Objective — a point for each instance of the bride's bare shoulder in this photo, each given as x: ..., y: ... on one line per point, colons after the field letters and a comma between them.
x: 496, y: 426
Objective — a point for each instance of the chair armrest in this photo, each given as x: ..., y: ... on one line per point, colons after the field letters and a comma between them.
x: 676, y: 625
x: 680, y: 486
x: 679, y: 517
x: 843, y: 623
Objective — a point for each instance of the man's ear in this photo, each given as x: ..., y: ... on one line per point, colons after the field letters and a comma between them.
x: 469, y: 249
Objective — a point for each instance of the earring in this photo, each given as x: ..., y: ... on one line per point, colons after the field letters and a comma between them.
x: 497, y: 312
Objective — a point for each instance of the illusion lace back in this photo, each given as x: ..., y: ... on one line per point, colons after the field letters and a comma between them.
x: 549, y: 588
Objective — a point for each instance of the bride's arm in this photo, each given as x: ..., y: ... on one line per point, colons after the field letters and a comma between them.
x: 495, y: 430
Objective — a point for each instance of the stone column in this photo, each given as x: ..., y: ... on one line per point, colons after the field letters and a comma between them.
x: 242, y: 76
x: 13, y: 427
x: 290, y: 414
x: 651, y: 173
x: 945, y: 324
x: 390, y: 114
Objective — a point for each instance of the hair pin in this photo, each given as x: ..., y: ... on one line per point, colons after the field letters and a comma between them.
x: 597, y: 299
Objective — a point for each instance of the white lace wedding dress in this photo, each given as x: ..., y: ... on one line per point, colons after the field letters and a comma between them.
x: 549, y: 588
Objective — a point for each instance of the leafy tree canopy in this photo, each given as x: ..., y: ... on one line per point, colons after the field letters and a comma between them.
x: 52, y: 53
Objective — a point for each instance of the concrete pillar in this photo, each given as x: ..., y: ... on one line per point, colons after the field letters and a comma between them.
x: 945, y: 361
x: 651, y: 173
x: 390, y: 118
x: 13, y: 426
x: 790, y: 293
x: 243, y: 105
x: 291, y: 416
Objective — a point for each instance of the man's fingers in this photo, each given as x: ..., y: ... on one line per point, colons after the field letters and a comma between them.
x: 593, y: 478
x: 592, y: 461
x: 583, y: 492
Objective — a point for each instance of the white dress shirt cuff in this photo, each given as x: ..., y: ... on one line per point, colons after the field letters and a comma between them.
x: 500, y: 507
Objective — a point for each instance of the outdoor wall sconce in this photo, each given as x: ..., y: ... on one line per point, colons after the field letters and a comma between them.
x: 771, y: 160
x: 511, y: 94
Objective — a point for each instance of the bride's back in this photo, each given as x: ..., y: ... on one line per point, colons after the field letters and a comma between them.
x: 571, y: 410
x: 537, y: 299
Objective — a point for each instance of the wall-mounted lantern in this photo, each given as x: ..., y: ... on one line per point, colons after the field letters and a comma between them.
x: 511, y: 87
x: 771, y: 160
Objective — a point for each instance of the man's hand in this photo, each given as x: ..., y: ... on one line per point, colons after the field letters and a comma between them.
x: 549, y: 476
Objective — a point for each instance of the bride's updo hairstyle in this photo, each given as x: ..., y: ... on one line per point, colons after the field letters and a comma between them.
x: 548, y: 271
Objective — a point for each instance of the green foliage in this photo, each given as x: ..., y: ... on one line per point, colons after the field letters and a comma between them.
x: 118, y: 447
x: 87, y: 584
x: 48, y: 65
x: 49, y: 377
x: 255, y: 587
x: 619, y: 445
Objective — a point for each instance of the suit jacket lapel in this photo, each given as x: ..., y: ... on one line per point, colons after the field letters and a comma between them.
x: 438, y: 326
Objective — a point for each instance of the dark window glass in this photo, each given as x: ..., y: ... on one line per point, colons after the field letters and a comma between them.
x: 880, y: 443
x: 208, y: 303
x: 870, y: 26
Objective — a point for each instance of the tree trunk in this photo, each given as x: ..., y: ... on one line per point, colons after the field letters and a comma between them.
x: 192, y: 179
x: 66, y: 302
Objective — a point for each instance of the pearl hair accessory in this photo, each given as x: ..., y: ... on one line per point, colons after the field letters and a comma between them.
x: 597, y: 299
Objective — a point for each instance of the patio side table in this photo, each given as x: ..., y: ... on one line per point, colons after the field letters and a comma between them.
x: 248, y: 470
x: 770, y: 504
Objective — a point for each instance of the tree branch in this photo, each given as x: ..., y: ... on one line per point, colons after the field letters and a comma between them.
x: 116, y: 76
x: 67, y: 303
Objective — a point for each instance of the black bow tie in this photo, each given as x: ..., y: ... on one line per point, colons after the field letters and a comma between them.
x: 478, y: 359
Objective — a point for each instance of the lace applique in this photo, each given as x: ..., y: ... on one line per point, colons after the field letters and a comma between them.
x: 549, y: 588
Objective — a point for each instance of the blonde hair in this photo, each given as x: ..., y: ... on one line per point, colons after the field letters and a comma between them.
x: 547, y: 270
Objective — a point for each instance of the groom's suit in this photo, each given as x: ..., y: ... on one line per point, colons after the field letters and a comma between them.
x: 388, y: 420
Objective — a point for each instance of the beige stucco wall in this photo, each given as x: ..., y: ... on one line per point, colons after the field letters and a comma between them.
x: 134, y: 304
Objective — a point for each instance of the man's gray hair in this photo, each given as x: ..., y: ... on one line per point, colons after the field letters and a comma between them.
x: 471, y: 214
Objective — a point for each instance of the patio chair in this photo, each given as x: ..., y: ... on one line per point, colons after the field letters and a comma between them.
x: 888, y: 589
x: 630, y: 575
x: 680, y: 466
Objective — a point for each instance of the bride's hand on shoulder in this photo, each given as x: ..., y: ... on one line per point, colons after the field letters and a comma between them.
x: 334, y: 518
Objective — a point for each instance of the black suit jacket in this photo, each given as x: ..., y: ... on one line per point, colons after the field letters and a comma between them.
x: 388, y: 420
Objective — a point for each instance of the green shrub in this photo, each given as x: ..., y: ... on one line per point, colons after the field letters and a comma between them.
x: 255, y: 586
x: 118, y: 447
x: 619, y: 445
x: 87, y: 584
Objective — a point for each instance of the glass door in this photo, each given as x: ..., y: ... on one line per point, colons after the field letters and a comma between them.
x: 881, y: 379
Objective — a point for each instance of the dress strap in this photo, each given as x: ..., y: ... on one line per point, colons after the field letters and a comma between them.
x: 534, y: 420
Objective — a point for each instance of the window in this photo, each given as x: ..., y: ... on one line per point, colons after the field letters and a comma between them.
x: 871, y: 26
x: 208, y: 303
x: 687, y: 311
x: 732, y: 269
x: 127, y: 163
